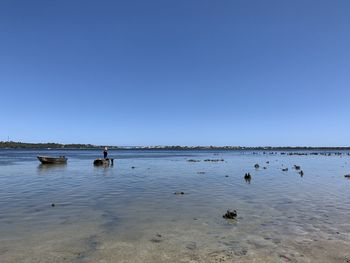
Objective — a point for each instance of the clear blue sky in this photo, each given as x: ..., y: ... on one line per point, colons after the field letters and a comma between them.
x: 176, y: 72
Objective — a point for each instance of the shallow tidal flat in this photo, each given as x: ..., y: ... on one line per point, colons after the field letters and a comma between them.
x: 168, y: 206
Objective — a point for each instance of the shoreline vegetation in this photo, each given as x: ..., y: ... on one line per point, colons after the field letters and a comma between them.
x: 23, y: 145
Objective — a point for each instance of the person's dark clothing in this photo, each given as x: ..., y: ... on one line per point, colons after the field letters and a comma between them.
x: 105, y: 153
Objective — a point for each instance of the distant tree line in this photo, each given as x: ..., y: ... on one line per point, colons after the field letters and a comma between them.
x: 23, y: 145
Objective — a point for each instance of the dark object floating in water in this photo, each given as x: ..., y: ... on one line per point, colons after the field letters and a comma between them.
x: 133, y: 167
x: 193, y: 161
x: 267, y: 162
x: 296, y: 167
x: 52, y: 204
x: 230, y: 214
x: 200, y: 172
x: 347, y: 176
x: 104, y: 162
x: 301, y: 173
x: 52, y: 160
x: 226, y: 175
x: 264, y: 167
x: 214, y: 160
x: 256, y: 166
x: 179, y: 193
x: 285, y: 169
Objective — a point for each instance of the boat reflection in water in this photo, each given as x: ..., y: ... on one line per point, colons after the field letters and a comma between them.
x: 51, y: 167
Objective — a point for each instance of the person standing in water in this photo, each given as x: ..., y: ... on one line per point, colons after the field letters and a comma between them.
x: 105, y: 152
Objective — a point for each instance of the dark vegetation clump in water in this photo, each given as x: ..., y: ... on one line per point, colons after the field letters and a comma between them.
x: 230, y: 214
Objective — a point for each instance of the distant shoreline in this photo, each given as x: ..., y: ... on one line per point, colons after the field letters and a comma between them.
x: 56, y: 146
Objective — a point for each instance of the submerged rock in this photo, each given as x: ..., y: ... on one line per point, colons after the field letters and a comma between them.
x: 230, y: 214
x: 155, y: 240
x: 191, y: 246
x: 296, y: 167
x: 101, y: 162
x: 214, y: 160
x: 193, y: 161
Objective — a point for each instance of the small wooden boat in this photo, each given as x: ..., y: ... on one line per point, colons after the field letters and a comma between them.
x: 52, y: 160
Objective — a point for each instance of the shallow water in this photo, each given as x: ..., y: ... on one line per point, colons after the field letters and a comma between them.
x: 125, y: 214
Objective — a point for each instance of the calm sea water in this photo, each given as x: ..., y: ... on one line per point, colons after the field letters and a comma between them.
x: 125, y: 214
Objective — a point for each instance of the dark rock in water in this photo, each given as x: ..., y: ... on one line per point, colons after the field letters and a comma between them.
x: 193, y: 161
x: 52, y: 204
x: 133, y: 167
x: 296, y: 167
x: 226, y: 175
x: 247, y: 178
x: 230, y: 214
x: 285, y: 169
x: 214, y: 160
x: 256, y: 166
x: 100, y: 162
x: 347, y: 176
x: 264, y: 167
x: 179, y: 193
x: 267, y: 162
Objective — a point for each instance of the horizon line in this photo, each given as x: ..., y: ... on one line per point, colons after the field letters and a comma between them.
x: 174, y: 146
